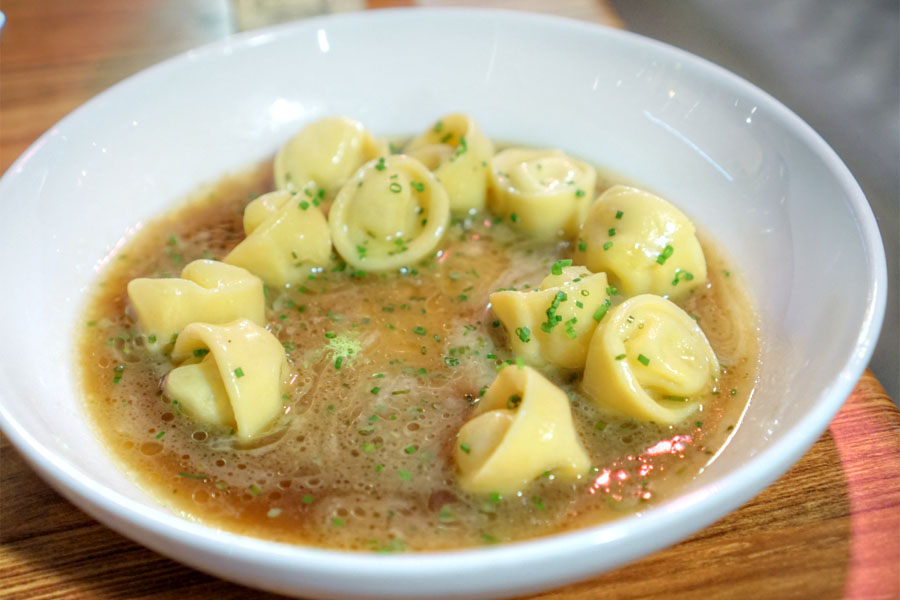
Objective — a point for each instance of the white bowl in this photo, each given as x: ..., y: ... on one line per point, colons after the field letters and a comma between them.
x: 737, y: 161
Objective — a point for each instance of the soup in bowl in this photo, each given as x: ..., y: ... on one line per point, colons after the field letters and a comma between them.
x: 106, y: 191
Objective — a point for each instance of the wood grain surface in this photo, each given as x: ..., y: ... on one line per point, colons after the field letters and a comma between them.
x: 829, y: 528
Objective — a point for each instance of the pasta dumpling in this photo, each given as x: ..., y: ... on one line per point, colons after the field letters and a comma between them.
x: 541, y: 192
x: 323, y: 156
x: 208, y: 291
x: 286, y: 239
x: 522, y: 428
x: 554, y: 325
x: 457, y: 152
x: 649, y: 360
x: 391, y: 214
x: 231, y: 376
x: 644, y: 244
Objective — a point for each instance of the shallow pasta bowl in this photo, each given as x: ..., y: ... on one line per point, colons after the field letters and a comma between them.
x: 740, y: 164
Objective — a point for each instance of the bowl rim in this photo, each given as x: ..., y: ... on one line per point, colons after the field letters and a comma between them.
x: 702, y: 506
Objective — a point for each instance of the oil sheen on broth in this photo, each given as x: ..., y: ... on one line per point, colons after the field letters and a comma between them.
x: 388, y: 367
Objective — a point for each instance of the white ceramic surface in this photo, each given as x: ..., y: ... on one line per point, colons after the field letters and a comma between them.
x: 738, y: 162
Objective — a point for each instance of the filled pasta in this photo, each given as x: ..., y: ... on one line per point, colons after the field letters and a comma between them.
x: 230, y: 376
x: 522, y: 428
x: 457, y: 151
x: 649, y: 360
x: 542, y: 192
x: 323, y: 156
x: 208, y: 291
x: 554, y: 325
x: 391, y: 214
x: 644, y: 244
x: 287, y: 239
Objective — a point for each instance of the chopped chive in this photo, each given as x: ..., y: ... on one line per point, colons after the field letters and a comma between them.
x: 338, y: 362
x: 579, y: 193
x: 239, y: 372
x: 193, y: 476
x: 539, y: 503
x: 496, y: 498
x: 619, y: 214
x: 465, y: 448
x: 379, y: 166
x: 152, y: 339
x: 513, y: 401
x: 607, y: 245
x: 620, y: 356
x: 611, y: 231
x: 307, y: 499
x: 418, y: 186
x: 679, y: 275
x: 395, y: 187
x: 557, y: 267
x: 601, y: 310
x: 254, y: 489
x: 699, y: 424
x: 404, y: 475
x: 330, y: 335
x: 410, y: 449
x: 643, y: 360
x: 337, y: 522
x: 419, y: 330
x: 600, y: 425
x: 524, y: 334
x: 665, y: 254
x: 304, y: 204
x: 514, y: 218
x: 582, y: 246
x: 611, y: 290
x: 160, y: 434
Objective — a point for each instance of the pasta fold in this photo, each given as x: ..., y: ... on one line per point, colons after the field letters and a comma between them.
x: 649, y: 360
x: 555, y: 324
x: 644, y: 244
x: 287, y: 238
x: 457, y: 151
x: 542, y: 192
x: 208, y: 291
x: 323, y: 156
x: 522, y: 428
x: 391, y: 214
x: 231, y: 375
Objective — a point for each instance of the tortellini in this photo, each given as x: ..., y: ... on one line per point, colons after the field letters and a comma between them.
x: 323, y: 156
x: 541, y: 192
x: 644, y: 244
x: 391, y: 214
x: 554, y: 325
x: 287, y: 237
x: 232, y: 376
x: 208, y: 291
x: 457, y: 152
x: 522, y: 428
x: 649, y: 360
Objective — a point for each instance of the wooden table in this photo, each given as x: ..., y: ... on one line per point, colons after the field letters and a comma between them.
x: 829, y: 528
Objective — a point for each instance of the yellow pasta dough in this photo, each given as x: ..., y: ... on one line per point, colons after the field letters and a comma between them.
x: 208, y: 291
x: 287, y: 238
x: 644, y: 244
x: 232, y: 376
x: 576, y: 300
x: 457, y: 151
x: 542, y: 192
x: 391, y: 214
x: 522, y: 428
x: 649, y: 360
x: 323, y: 156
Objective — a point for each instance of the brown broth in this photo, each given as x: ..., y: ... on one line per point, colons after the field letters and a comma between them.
x: 362, y: 458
